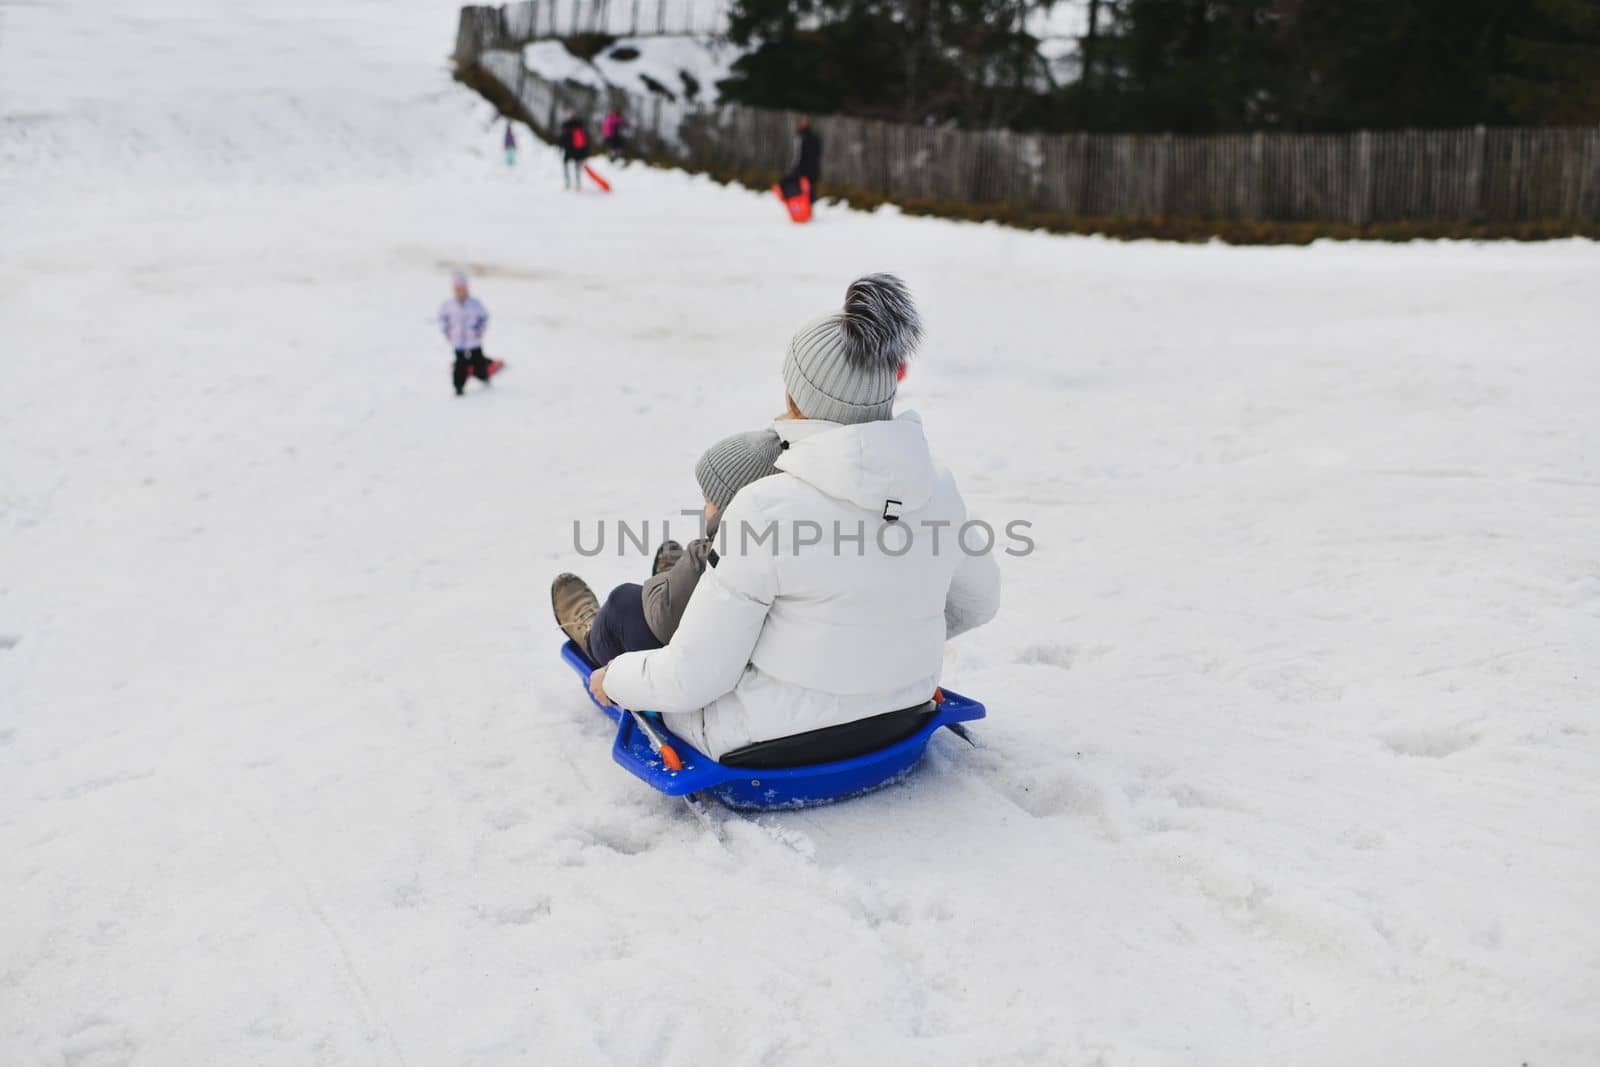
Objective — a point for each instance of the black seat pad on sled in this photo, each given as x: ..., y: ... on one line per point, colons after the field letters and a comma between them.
x: 831, y: 743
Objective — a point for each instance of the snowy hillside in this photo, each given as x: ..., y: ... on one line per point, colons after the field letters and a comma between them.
x: 690, y: 67
x: 676, y: 68
x: 1292, y: 747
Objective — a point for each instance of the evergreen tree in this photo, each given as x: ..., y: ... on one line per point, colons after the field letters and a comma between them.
x: 1551, y: 68
x: 1377, y: 64
x: 1181, y: 66
x: 1197, y: 66
x: 969, y: 61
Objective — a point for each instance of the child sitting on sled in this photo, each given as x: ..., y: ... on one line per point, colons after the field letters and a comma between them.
x: 638, y: 618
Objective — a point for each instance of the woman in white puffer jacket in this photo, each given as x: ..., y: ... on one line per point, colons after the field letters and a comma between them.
x: 837, y: 581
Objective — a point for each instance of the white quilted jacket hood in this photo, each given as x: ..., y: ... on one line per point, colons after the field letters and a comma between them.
x: 867, y: 464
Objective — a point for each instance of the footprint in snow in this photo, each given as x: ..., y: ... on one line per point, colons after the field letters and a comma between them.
x: 524, y: 914
x: 96, y: 1041
x: 507, y: 818
x: 623, y: 838
x: 1041, y: 791
x: 1049, y: 655
x: 1429, y: 742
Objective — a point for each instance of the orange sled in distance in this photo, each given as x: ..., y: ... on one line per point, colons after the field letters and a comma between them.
x: 796, y: 196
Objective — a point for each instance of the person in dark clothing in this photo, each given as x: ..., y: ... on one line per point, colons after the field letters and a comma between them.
x: 807, y: 162
x: 574, y: 150
x: 620, y: 626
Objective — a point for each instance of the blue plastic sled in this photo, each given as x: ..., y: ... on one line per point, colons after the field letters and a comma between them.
x: 745, y: 789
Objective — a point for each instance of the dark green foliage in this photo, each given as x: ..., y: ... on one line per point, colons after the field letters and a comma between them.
x: 909, y: 60
x: 1551, y: 72
x: 1181, y: 66
x: 1376, y: 64
x: 1210, y: 66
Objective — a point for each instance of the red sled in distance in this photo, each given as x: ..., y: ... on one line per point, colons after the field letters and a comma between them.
x: 604, y: 185
x: 796, y: 196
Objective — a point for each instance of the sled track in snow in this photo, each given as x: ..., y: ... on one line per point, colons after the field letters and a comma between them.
x: 360, y: 993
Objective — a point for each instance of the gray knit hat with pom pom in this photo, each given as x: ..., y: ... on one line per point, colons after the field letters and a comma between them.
x: 845, y: 368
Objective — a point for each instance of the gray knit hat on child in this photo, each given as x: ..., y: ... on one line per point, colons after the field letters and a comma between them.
x: 845, y: 368
x: 734, y: 462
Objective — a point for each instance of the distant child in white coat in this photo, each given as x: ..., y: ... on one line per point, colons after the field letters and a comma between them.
x: 464, y: 320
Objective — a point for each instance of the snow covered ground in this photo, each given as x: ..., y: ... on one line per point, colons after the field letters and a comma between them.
x: 1292, y: 749
x: 691, y: 67
x: 686, y: 67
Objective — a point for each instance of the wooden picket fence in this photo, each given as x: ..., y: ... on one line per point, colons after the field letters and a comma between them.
x: 1464, y: 175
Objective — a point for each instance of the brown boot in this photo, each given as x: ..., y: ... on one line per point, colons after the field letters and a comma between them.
x: 668, y: 554
x: 575, y: 605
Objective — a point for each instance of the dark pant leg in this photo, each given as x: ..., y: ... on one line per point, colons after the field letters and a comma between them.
x: 461, y: 371
x: 620, y: 626
x: 480, y: 364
